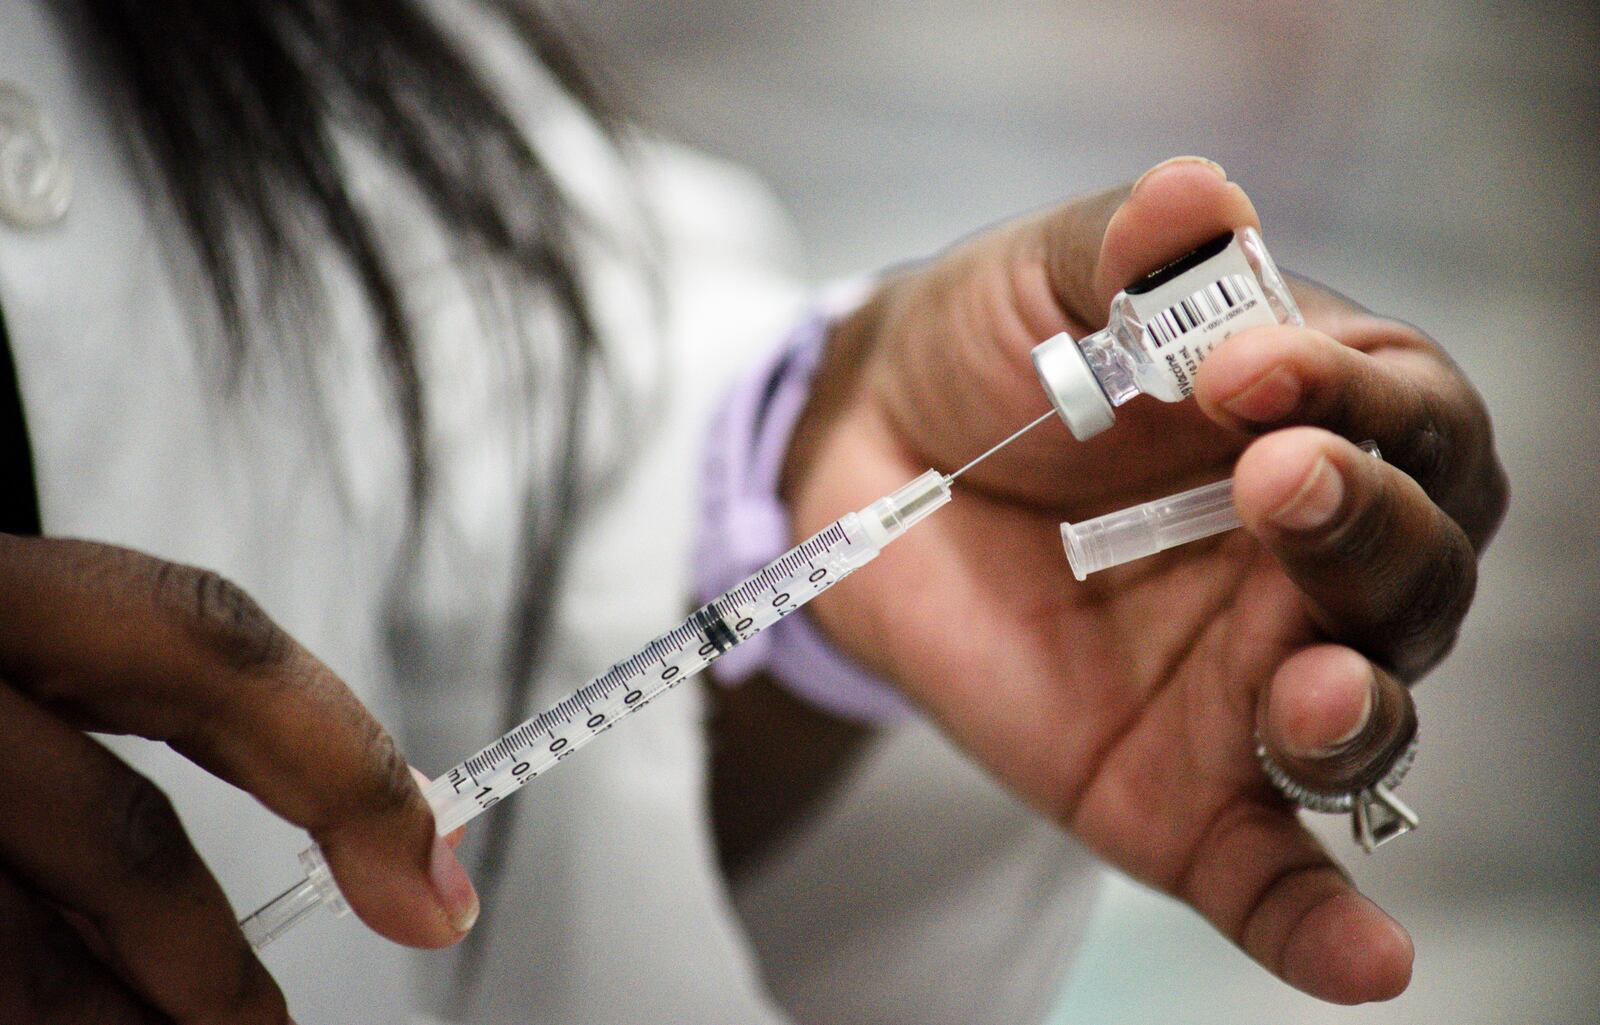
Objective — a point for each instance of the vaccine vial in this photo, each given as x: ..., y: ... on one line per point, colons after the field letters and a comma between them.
x: 1160, y: 329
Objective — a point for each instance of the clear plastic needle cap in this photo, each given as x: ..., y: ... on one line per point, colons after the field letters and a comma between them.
x: 1152, y: 527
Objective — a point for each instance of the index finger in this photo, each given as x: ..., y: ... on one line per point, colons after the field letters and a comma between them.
x: 118, y: 641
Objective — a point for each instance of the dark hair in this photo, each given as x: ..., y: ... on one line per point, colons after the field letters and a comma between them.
x: 237, y: 104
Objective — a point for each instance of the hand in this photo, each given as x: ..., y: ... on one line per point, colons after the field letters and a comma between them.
x: 107, y: 913
x: 1126, y: 708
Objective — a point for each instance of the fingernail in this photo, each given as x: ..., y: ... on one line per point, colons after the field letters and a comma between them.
x: 1362, y: 718
x: 1316, y: 500
x: 1337, y: 745
x: 453, y: 887
x: 1201, y: 161
x: 1271, y: 398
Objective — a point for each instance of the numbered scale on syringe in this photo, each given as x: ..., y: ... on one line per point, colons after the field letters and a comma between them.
x: 779, y: 589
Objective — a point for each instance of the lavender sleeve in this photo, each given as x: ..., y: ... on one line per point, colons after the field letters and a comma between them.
x: 744, y: 525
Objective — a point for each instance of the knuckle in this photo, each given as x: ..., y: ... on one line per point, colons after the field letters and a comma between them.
x: 1427, y: 451
x: 392, y: 786
x: 1448, y: 439
x: 221, y: 617
x: 149, y: 842
x: 1495, y: 495
x: 1312, y: 875
x: 1479, y: 493
x: 384, y: 787
x: 1423, y: 623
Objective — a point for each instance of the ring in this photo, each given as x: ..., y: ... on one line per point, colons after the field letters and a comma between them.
x: 1377, y: 815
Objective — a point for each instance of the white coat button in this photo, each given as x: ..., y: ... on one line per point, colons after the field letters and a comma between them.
x: 35, y: 178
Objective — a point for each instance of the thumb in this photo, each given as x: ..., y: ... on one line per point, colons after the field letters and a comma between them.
x: 1099, y: 245
x: 198, y: 664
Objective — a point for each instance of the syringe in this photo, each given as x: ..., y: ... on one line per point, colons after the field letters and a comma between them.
x: 536, y: 746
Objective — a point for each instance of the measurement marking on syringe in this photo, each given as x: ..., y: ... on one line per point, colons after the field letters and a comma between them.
x: 662, y: 662
x: 534, y: 747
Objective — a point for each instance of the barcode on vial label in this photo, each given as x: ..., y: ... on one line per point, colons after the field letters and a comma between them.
x: 1202, y: 308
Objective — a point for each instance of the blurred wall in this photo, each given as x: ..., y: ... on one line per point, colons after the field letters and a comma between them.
x: 1434, y: 160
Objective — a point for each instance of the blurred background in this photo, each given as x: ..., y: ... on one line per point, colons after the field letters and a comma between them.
x: 1434, y: 160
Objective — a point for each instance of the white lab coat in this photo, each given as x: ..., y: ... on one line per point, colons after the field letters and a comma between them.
x: 921, y: 894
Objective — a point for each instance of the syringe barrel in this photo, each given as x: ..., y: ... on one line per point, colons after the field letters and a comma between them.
x: 1142, y: 530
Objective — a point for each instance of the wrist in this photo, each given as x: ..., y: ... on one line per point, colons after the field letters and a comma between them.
x: 745, y: 523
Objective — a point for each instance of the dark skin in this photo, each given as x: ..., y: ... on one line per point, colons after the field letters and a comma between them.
x: 107, y: 913
x: 1123, y: 709
x: 1126, y: 708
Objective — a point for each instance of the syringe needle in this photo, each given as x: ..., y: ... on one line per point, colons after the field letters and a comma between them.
x: 1047, y: 414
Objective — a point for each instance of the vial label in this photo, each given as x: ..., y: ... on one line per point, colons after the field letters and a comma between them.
x: 1188, y: 313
